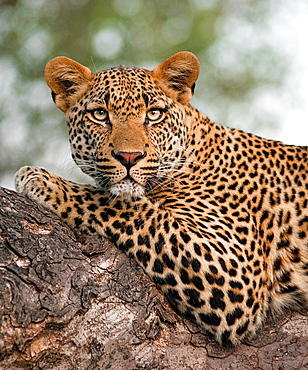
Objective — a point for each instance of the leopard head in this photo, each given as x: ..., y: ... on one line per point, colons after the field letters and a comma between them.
x: 126, y: 125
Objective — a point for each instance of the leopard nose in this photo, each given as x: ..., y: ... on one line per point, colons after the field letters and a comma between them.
x: 128, y: 159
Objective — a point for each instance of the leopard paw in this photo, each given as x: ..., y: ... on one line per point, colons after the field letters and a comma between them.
x: 24, y: 177
x: 33, y: 182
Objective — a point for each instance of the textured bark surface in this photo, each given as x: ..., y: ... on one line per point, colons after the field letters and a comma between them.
x: 68, y: 301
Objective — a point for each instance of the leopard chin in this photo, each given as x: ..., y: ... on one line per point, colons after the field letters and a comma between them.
x: 127, y: 189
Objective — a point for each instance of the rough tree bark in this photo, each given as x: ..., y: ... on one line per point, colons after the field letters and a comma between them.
x: 68, y: 301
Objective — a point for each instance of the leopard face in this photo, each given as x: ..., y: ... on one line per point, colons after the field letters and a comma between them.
x: 128, y: 132
x: 217, y: 217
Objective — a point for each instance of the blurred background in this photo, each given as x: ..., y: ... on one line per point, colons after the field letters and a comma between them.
x: 253, y: 54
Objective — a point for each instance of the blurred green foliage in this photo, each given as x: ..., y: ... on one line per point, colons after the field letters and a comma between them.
x: 230, y: 38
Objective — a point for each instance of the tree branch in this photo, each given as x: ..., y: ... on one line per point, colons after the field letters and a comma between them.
x: 70, y: 301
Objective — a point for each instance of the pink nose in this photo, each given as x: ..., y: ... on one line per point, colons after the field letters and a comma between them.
x: 128, y: 159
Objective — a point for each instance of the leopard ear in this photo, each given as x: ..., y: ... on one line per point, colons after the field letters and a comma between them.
x: 68, y: 81
x: 177, y: 76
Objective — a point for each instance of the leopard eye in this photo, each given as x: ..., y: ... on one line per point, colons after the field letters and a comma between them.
x: 100, y: 114
x: 155, y: 115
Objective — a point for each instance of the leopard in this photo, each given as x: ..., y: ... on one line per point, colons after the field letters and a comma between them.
x: 217, y: 217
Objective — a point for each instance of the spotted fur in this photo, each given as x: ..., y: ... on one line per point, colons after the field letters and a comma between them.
x: 217, y: 217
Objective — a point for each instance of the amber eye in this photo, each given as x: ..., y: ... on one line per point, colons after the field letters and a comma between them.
x: 155, y: 115
x: 100, y: 114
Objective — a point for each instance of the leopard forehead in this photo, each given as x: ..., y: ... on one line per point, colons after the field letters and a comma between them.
x: 123, y: 88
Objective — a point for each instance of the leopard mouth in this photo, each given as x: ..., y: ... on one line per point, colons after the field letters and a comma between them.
x: 127, y: 188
